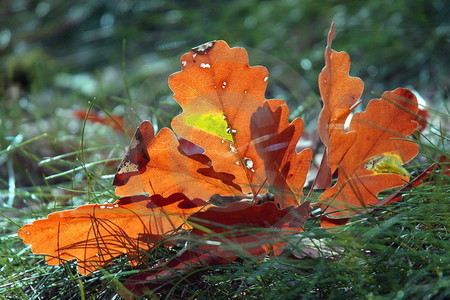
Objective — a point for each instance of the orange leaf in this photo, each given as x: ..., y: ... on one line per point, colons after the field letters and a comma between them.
x: 368, y: 155
x: 374, y: 161
x: 340, y: 94
x: 158, y: 165
x: 327, y: 222
x: 96, y: 234
x: 275, y: 140
x: 219, y: 92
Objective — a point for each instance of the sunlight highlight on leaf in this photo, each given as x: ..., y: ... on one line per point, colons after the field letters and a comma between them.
x: 387, y: 163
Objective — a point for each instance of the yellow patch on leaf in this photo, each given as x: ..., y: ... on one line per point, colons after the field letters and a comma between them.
x: 387, y: 163
x: 214, y: 123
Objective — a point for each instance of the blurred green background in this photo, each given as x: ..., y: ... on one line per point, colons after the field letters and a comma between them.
x: 56, y: 56
x: 391, y: 42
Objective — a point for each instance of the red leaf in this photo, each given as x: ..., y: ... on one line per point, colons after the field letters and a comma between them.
x: 114, y: 121
x: 244, y: 228
x: 225, y: 234
x: 148, y: 282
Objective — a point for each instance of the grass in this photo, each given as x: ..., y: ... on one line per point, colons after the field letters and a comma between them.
x: 51, y: 161
x: 398, y: 252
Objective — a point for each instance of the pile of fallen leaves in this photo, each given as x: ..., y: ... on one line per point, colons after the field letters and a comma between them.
x: 228, y: 174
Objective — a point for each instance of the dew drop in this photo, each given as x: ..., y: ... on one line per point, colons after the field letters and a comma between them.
x: 205, y: 66
x: 214, y: 243
x: 266, y: 78
x: 184, y: 63
x: 230, y: 130
x: 102, y: 206
x: 248, y: 163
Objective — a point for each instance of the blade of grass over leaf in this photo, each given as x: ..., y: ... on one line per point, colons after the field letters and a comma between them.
x: 95, y: 234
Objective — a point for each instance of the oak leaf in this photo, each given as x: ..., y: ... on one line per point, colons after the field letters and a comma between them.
x: 340, y: 95
x: 96, y: 234
x: 369, y: 154
x: 158, y: 165
x: 275, y: 140
x: 220, y: 95
x: 219, y: 92
x: 374, y: 161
